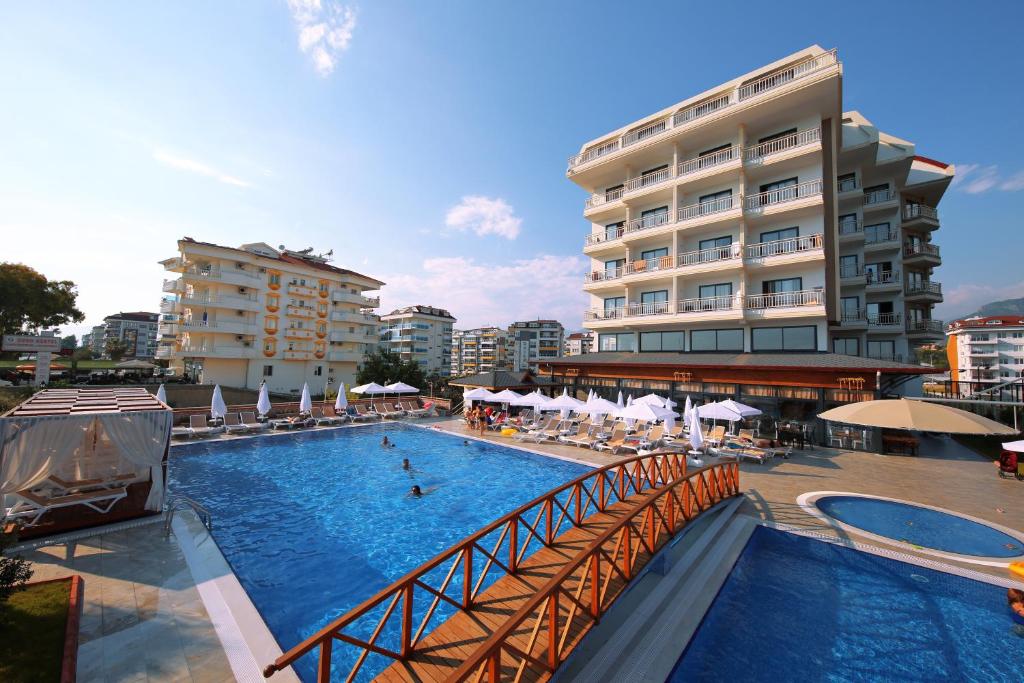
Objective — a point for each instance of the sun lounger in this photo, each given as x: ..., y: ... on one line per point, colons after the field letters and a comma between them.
x: 181, y: 432
x: 653, y: 438
x: 385, y: 411
x: 362, y: 414
x: 68, y: 486
x: 249, y: 420
x: 198, y: 426
x: 738, y: 450
x: 615, y: 441
x: 580, y: 429
x: 412, y: 409
x: 296, y: 422
x: 31, y: 505
x: 716, y: 436
x: 318, y: 417
x: 586, y: 439
x: 536, y: 435
x: 233, y: 424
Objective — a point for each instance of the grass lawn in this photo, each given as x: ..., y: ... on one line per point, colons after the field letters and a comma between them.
x: 32, y: 623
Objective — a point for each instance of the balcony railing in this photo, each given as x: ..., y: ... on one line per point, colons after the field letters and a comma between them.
x: 852, y: 317
x: 882, y: 277
x: 690, y: 258
x: 709, y: 208
x: 807, y: 297
x: 912, y: 211
x: 920, y: 249
x: 606, y: 197
x: 881, y: 236
x: 726, y: 302
x: 847, y: 184
x: 791, y: 245
x: 707, y: 107
x: 850, y: 227
x: 650, y: 265
x: 695, y: 258
x: 878, y: 197
x: 722, y: 156
x: 847, y: 272
x: 928, y: 326
x: 884, y: 319
x: 606, y: 235
x: 172, y: 286
x: 301, y: 311
x: 792, y: 141
x: 782, y: 195
x: 652, y: 220
x: 928, y: 287
x: 880, y: 355
x: 648, y: 180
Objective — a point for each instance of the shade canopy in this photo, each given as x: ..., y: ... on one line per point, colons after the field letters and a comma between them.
x: 263, y: 402
x: 1015, y: 446
x: 371, y: 388
x: 305, y: 401
x: 718, y: 411
x: 534, y: 399
x: 652, y: 399
x: 645, y: 411
x: 217, y: 406
x: 741, y: 408
x: 341, y: 402
x: 506, y: 396
x: 601, y: 406
x: 401, y: 388
x: 565, y: 402
x: 136, y: 364
x: 478, y: 394
x: 918, y: 416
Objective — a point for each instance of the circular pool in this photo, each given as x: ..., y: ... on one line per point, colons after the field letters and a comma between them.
x: 923, y: 527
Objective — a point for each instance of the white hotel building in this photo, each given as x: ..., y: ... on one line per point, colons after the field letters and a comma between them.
x: 239, y: 317
x: 758, y: 217
x: 421, y: 334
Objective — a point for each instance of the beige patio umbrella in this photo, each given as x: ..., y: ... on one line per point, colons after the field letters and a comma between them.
x: 919, y: 416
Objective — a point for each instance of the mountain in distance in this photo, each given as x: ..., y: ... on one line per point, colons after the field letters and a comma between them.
x: 1004, y: 307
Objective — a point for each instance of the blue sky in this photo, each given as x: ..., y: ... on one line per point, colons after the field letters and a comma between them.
x: 425, y: 143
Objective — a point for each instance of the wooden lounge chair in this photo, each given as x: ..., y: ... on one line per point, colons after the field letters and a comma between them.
x: 385, y: 411
x: 412, y: 409
x: 715, y: 436
x: 199, y: 426
x: 32, y: 505
x: 675, y: 433
x: 233, y: 424
x: 587, y: 439
x: 653, y: 438
x: 362, y: 414
x: 580, y: 429
x: 249, y: 420
x: 615, y: 441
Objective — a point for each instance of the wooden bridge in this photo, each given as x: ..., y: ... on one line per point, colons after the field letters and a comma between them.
x: 509, y: 613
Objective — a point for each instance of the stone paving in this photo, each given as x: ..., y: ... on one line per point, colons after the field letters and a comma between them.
x: 143, y: 619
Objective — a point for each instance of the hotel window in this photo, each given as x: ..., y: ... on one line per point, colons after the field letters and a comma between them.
x: 801, y: 338
x: 651, y: 171
x: 847, y: 182
x: 876, y: 190
x: 662, y: 341
x: 319, y: 371
x: 653, y: 217
x: 877, y: 309
x: 716, y: 340
x: 781, y: 190
x: 274, y: 278
x: 611, y: 268
x: 877, y: 232
x: 850, y: 307
x: 847, y: 223
x: 652, y: 254
x: 877, y: 272
x: 712, y: 291
x: 780, y: 234
x: 711, y: 152
x: 654, y: 302
x: 882, y: 350
x: 846, y: 345
x: 613, y: 230
x: 849, y: 265
x: 613, y: 304
x: 714, y: 243
x: 716, y: 201
x: 268, y: 370
x: 916, y: 280
x: 612, y: 193
x: 621, y: 341
x: 789, y: 284
x: 778, y: 136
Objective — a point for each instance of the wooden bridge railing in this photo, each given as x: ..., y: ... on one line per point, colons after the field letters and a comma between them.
x: 556, y: 616
x: 459, y: 574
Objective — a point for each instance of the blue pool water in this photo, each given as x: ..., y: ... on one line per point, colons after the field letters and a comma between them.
x: 315, y: 523
x: 921, y: 526
x: 798, y: 609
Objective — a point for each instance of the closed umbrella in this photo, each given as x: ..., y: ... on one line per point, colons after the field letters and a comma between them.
x: 919, y: 416
x: 217, y: 405
x: 161, y: 394
x: 305, y: 402
x: 670, y: 421
x: 341, y: 403
x: 630, y: 421
x: 687, y: 410
x: 619, y: 402
x: 263, y: 402
x: 696, y: 437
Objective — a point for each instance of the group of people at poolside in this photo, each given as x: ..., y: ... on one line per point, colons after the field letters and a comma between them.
x: 479, y: 417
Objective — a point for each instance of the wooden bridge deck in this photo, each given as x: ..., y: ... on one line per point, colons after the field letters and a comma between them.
x: 439, y: 654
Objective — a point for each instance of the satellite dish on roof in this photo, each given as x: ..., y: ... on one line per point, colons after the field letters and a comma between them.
x: 281, y: 247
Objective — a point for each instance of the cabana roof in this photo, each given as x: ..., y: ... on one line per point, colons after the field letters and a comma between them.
x: 497, y: 380
x: 83, y: 401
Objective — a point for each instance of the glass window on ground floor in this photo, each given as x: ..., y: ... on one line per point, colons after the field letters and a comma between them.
x: 716, y: 340
x: 882, y: 349
x: 847, y: 345
x: 617, y: 341
x: 798, y: 338
x: 662, y: 341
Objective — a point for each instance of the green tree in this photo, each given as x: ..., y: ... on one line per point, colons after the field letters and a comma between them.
x: 69, y: 342
x: 116, y: 349
x: 383, y: 366
x: 29, y: 301
x: 84, y: 353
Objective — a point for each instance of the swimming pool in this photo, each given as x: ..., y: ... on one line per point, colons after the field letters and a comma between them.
x: 798, y: 609
x: 314, y: 523
x: 918, y: 525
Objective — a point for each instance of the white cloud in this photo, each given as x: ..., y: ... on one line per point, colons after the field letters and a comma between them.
x: 976, y: 179
x: 966, y: 298
x: 484, y: 216
x: 546, y: 286
x: 199, y: 168
x: 325, y: 30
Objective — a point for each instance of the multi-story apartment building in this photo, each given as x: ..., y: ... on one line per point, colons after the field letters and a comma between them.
x: 579, y: 343
x: 531, y: 341
x: 481, y: 349
x: 422, y: 334
x: 253, y: 314
x: 136, y: 330
x: 715, y: 223
x: 985, y: 353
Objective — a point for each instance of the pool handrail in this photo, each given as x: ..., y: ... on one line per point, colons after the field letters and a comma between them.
x: 682, y: 503
x: 648, y: 472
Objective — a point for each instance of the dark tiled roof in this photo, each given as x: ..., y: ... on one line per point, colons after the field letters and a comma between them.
x: 425, y: 310
x: 822, y: 361
x: 135, y: 315
x: 501, y: 379
x: 988, y: 321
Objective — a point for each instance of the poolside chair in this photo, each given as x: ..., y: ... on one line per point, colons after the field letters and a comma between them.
x: 653, y: 438
x: 746, y: 435
x: 674, y: 434
x: 499, y: 422
x: 62, y: 486
x: 233, y: 424
x: 552, y: 433
x: 715, y: 436
x: 250, y: 421
x: 318, y: 417
x: 181, y: 432
x: 294, y: 422
x: 573, y: 431
x: 199, y: 427
x: 32, y: 505
x: 411, y: 409
x: 743, y: 452
x: 362, y: 414
x: 586, y: 440
x: 384, y: 411
x: 536, y: 435
x: 329, y: 411
x: 617, y: 438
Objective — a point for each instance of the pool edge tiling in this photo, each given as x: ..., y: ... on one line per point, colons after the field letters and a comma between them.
x: 809, y: 503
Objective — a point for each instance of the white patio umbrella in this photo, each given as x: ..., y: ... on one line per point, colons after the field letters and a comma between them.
x: 263, y: 402
x: 565, y: 403
x: 1015, y: 446
x: 535, y: 400
x: 743, y: 409
x: 719, y: 411
x: 601, y: 406
x: 505, y: 398
x: 696, y: 437
x: 371, y: 388
x: 652, y: 399
x: 217, y: 406
x: 161, y: 394
x: 402, y: 388
x: 478, y: 394
x: 645, y: 411
x: 341, y: 403
x: 305, y: 402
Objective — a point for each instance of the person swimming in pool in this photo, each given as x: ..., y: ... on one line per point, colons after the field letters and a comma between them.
x: 405, y: 464
x: 416, y: 491
x: 465, y: 443
x: 385, y: 443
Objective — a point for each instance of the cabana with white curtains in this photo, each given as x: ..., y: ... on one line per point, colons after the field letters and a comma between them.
x: 85, y: 447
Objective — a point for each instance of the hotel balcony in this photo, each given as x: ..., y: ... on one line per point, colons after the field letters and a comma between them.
x: 236, y: 276
x: 883, y: 281
x: 917, y: 329
x: 851, y: 230
x: 929, y: 291
x: 786, y: 147
x: 880, y: 199
x: 709, y: 308
x: 920, y: 216
x: 348, y: 297
x: 300, y: 311
x: 921, y: 254
x: 353, y: 317
x: 215, y: 326
x: 173, y: 286
x: 853, y: 320
x: 852, y: 276
x: 218, y: 351
x: 234, y: 302
x: 345, y: 356
x: 785, y: 251
x: 356, y: 337
x: 692, y: 262
x: 298, y: 354
x: 297, y: 333
x: 302, y: 290
x: 164, y: 352
x: 175, y: 264
x: 885, y: 323
x: 716, y: 106
x: 784, y: 198
x: 168, y: 306
x: 847, y: 188
x: 808, y: 302
x: 881, y: 241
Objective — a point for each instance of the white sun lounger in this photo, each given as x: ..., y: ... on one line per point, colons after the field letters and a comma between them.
x: 233, y: 424
x: 31, y: 505
x: 317, y: 415
x: 250, y: 421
